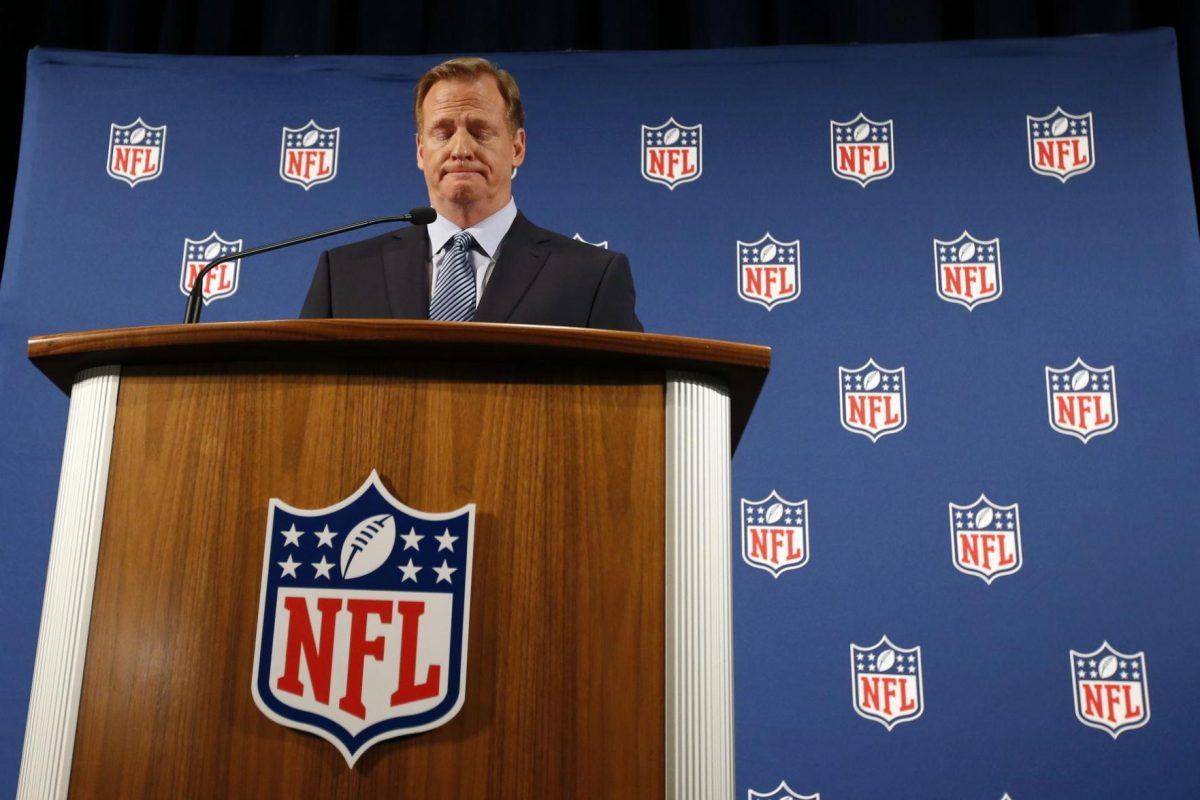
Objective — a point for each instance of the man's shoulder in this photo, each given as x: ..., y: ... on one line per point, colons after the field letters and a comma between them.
x: 566, y: 246
x: 370, y: 248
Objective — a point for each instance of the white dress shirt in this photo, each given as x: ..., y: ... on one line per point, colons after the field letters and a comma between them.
x: 487, y: 234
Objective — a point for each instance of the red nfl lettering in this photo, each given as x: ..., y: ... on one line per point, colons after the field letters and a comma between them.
x: 887, y: 695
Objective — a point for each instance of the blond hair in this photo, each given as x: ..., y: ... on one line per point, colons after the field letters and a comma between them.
x: 468, y: 69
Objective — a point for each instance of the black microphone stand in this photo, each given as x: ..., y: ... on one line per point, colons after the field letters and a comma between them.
x: 195, y: 297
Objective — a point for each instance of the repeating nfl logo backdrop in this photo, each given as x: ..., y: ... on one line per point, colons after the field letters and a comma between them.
x: 363, y: 618
x: 1044, y: 182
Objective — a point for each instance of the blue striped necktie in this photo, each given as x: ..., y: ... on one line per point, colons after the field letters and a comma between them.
x: 454, y: 295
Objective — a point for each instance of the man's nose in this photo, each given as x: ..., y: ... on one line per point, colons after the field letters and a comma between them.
x: 461, y: 144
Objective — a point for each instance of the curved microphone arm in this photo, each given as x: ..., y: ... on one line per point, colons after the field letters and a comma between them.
x: 418, y: 216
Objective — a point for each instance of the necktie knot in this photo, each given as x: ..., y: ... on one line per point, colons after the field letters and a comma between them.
x: 461, y: 241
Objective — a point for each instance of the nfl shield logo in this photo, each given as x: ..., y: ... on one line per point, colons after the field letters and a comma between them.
x: 873, y: 399
x: 672, y: 153
x: 309, y: 155
x: 601, y: 245
x: 985, y: 539
x: 135, y: 151
x: 768, y: 271
x: 775, y: 534
x: 862, y: 150
x: 888, y: 687
x: 1060, y: 144
x: 781, y: 792
x: 363, y: 616
x: 1110, y: 687
x: 1082, y: 400
x: 221, y: 280
x: 967, y: 270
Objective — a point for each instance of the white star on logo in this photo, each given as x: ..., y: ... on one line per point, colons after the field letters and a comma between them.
x: 292, y: 536
x: 322, y: 567
x: 325, y: 537
x: 412, y: 539
x: 289, y: 567
x: 410, y: 571
x: 446, y: 541
x: 444, y: 571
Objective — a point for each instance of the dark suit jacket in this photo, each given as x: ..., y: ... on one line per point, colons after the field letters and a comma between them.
x: 540, y: 278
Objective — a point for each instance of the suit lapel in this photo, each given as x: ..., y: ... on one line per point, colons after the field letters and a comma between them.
x: 404, y: 273
x: 523, y: 252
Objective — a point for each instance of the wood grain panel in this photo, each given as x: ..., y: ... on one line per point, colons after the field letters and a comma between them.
x: 565, y: 669
x: 741, y: 367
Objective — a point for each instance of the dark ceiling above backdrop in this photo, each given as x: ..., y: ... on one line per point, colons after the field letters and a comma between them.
x: 407, y: 27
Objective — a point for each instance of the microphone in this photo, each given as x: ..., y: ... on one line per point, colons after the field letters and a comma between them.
x: 417, y: 216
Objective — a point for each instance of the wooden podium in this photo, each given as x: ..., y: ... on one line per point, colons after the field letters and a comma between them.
x: 599, y: 641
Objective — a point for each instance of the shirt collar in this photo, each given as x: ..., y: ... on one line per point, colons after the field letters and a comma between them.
x: 487, y: 233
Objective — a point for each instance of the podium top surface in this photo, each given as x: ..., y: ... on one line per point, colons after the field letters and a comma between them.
x: 742, y: 367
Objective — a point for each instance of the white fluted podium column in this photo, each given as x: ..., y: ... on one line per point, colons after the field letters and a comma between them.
x: 699, y: 636
x: 70, y: 577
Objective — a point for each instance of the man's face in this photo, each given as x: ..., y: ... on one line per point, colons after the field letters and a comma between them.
x: 465, y: 148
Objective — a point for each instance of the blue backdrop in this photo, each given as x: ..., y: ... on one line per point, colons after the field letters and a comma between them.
x: 1094, y: 257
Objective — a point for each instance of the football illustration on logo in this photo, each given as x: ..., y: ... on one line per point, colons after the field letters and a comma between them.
x: 368, y: 545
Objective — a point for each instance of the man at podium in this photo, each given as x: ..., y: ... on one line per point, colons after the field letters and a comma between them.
x: 481, y: 260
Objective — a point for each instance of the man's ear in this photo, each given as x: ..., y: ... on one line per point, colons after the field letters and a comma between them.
x: 519, y: 147
x: 420, y: 154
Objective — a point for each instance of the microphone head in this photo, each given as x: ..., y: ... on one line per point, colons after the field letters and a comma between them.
x: 422, y: 216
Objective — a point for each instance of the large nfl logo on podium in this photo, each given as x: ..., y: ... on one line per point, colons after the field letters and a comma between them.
x: 888, y: 687
x: 873, y: 400
x: 363, y: 618
x: 1082, y: 400
x: 135, y: 151
x: 1110, y: 688
x: 672, y: 153
x: 309, y: 155
x: 1060, y: 144
x: 221, y: 280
